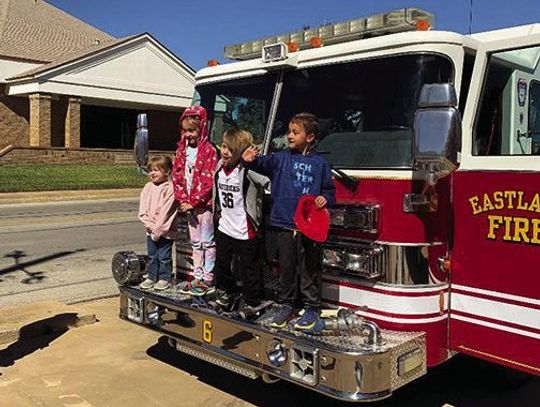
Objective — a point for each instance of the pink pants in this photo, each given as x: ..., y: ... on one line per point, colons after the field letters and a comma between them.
x: 201, y: 234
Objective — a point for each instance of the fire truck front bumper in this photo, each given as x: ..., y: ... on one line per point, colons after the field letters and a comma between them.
x: 348, y: 366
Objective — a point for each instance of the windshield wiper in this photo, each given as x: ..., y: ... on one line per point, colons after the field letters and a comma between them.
x: 350, y: 183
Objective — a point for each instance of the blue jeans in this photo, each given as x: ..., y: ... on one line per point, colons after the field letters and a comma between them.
x: 159, y: 259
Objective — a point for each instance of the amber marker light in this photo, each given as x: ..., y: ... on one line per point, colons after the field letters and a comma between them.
x: 315, y: 42
x: 292, y: 46
x: 212, y: 62
x: 422, y: 25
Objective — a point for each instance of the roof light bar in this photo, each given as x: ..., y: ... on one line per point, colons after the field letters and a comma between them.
x: 395, y: 21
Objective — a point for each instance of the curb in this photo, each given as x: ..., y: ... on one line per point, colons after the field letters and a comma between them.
x: 32, y: 320
x: 7, y: 198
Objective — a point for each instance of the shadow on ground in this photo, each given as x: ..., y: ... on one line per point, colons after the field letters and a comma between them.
x: 460, y: 382
x: 36, y: 276
x: 37, y: 335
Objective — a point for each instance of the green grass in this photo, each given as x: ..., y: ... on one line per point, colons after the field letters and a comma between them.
x: 18, y: 178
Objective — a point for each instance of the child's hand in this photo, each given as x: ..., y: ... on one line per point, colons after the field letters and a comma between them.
x: 320, y: 202
x: 185, y: 207
x: 154, y: 237
x: 250, y: 154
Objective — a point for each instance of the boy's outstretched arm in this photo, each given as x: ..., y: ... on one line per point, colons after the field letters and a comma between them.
x: 262, y: 164
x: 250, y: 154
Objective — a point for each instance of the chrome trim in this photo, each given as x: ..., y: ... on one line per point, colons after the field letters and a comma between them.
x: 374, y: 336
x: 386, y: 243
x: 356, y: 240
x: 329, y: 360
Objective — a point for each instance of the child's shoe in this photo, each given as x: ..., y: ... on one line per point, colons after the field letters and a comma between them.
x: 248, y: 312
x: 281, y: 317
x: 184, y: 287
x: 309, y: 320
x: 162, y: 285
x: 200, y: 288
x: 223, y: 299
x: 146, y: 284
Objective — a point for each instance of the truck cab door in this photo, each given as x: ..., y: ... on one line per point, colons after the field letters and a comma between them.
x: 495, y: 274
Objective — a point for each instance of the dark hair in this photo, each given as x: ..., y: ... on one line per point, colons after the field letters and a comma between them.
x: 309, y: 122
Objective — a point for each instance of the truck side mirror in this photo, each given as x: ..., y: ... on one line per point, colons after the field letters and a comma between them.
x: 140, y: 150
x: 437, y: 142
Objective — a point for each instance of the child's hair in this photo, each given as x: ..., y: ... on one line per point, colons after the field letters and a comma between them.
x: 309, y: 122
x: 192, y: 121
x: 162, y: 162
x: 237, y: 140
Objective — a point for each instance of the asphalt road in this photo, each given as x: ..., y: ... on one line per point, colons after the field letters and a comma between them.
x: 62, y: 251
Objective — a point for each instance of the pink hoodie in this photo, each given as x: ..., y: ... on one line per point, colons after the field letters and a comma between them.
x: 157, y: 210
x: 200, y: 193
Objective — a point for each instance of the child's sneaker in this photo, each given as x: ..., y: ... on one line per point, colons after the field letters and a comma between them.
x: 247, y: 311
x: 281, y: 317
x: 184, y: 287
x: 162, y: 285
x: 223, y: 299
x: 200, y: 288
x: 309, y: 320
x: 146, y: 284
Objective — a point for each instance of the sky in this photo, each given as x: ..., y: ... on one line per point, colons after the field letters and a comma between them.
x: 197, y: 31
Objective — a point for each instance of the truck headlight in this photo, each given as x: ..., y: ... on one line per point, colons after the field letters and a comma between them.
x: 333, y: 258
x: 364, y: 218
x: 357, y: 262
x: 365, y: 262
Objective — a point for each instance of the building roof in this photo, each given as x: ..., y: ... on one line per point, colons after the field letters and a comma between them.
x: 133, y: 72
x: 34, y: 30
x: 72, y: 56
x: 95, y: 50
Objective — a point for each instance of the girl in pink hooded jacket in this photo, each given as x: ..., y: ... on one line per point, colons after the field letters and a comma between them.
x: 193, y: 176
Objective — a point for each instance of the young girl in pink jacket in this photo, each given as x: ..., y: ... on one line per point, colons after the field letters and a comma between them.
x: 193, y: 178
x: 157, y: 212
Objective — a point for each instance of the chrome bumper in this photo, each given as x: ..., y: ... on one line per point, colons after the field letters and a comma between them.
x: 342, y: 365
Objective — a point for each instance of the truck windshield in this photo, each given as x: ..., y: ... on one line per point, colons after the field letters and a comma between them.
x: 366, y: 108
x: 243, y: 103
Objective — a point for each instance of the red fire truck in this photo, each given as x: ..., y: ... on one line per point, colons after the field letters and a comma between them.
x: 434, y: 140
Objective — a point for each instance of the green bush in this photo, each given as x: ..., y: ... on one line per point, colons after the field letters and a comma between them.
x: 18, y: 178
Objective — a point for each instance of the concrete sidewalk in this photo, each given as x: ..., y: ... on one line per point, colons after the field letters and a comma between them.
x: 107, y: 363
x: 9, y: 198
x: 27, y: 322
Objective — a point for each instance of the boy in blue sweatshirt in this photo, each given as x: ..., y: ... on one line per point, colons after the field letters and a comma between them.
x: 295, y: 172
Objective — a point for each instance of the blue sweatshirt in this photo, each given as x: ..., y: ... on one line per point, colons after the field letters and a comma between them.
x: 293, y: 175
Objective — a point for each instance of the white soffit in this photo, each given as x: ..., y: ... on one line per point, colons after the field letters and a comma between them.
x: 9, y: 68
x: 137, y: 71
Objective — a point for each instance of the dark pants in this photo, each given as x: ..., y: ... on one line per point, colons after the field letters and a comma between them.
x: 298, y: 257
x: 247, y: 255
x: 159, y: 259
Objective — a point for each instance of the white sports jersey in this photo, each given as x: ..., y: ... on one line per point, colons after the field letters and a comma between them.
x: 233, y: 220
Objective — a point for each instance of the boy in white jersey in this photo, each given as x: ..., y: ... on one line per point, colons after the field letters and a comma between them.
x: 238, y: 195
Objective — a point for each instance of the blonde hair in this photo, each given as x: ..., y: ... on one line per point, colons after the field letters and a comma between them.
x: 191, y: 121
x: 237, y: 140
x: 162, y: 162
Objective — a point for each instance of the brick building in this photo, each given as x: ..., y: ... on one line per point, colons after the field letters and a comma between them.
x: 65, y: 84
